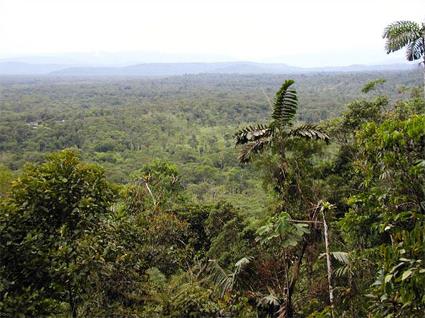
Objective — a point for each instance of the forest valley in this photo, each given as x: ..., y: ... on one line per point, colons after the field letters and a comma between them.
x: 213, y: 196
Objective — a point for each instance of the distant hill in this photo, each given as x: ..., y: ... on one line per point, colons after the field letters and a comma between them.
x: 170, y: 69
x: 20, y: 68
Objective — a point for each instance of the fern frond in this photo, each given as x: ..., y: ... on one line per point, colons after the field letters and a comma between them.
x: 253, y: 148
x: 401, y: 33
x: 310, y: 132
x: 286, y: 104
x: 252, y: 133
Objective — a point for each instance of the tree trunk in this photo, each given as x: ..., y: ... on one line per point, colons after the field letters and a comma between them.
x: 289, y: 309
x: 72, y: 302
x: 329, y: 265
x: 423, y: 62
x: 424, y: 71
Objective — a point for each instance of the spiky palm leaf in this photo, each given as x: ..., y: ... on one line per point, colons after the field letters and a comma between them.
x: 344, y: 260
x: 252, y: 133
x: 253, y: 148
x: 406, y: 34
x: 401, y: 33
x: 310, y: 132
x: 285, y: 106
x: 415, y: 50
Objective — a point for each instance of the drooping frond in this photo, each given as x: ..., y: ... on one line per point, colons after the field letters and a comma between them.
x: 252, y: 133
x: 401, y: 33
x: 226, y: 280
x: 253, y: 148
x: 310, y: 132
x: 415, y: 50
x: 242, y: 263
x: 342, y: 257
x: 268, y: 300
x: 220, y: 277
x: 285, y: 106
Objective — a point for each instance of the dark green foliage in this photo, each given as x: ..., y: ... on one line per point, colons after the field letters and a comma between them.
x: 286, y: 104
x: 45, y: 221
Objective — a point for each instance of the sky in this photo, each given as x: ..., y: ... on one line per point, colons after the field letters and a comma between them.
x: 297, y: 32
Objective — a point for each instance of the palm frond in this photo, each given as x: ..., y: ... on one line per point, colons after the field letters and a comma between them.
x: 242, y: 263
x: 415, y: 50
x: 310, y: 132
x: 342, y: 271
x: 286, y: 104
x: 253, y: 148
x: 268, y: 300
x: 342, y: 257
x: 225, y: 280
x: 252, y: 133
x: 401, y: 33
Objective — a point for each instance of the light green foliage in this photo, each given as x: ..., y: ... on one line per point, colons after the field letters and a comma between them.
x: 155, y: 186
x: 6, y: 177
x: 388, y: 215
x: 281, y: 229
x: 372, y: 85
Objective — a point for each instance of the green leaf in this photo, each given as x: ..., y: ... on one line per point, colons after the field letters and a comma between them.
x: 406, y: 274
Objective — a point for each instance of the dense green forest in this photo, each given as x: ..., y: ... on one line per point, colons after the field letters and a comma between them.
x: 213, y: 196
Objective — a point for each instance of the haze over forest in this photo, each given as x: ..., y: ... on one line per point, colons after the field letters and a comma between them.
x: 304, y: 33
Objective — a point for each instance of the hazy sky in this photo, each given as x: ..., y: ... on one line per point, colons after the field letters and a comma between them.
x: 298, y: 31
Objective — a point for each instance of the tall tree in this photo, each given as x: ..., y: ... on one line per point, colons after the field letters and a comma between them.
x: 290, y: 176
x: 409, y: 35
x: 275, y: 135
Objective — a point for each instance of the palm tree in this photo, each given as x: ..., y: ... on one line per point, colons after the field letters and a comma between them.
x: 275, y: 135
x: 410, y: 35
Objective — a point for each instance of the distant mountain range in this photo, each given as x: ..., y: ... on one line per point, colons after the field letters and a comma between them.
x: 169, y: 69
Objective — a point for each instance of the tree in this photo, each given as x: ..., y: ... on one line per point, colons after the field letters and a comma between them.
x: 385, y: 222
x: 44, y: 223
x: 292, y: 175
x: 409, y: 35
x: 276, y: 134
